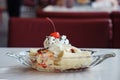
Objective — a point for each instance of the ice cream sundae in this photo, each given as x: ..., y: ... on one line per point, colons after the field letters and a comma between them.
x: 59, y: 55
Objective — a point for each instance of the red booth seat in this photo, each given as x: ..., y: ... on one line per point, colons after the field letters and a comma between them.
x: 116, y: 29
x: 26, y: 32
x: 74, y: 15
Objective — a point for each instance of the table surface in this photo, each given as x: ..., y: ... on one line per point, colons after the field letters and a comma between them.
x: 10, y: 69
x: 78, y: 9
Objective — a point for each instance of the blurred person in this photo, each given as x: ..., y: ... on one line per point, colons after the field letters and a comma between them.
x: 70, y: 3
x: 57, y: 3
x: 65, y: 3
x: 83, y: 1
x: 44, y: 3
x: 13, y: 7
x: 92, y: 0
x: 60, y: 3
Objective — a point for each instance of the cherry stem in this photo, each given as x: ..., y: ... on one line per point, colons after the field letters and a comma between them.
x: 51, y: 23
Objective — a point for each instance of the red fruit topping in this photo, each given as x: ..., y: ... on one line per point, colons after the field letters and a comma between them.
x: 39, y: 51
x: 55, y: 34
x: 43, y: 65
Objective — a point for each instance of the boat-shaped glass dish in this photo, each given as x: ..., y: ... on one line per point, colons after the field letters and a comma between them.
x: 96, y: 59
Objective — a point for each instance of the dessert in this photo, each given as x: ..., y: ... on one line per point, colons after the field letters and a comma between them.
x: 59, y: 55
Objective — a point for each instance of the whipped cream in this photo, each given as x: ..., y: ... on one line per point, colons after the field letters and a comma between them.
x: 59, y: 44
x: 50, y: 41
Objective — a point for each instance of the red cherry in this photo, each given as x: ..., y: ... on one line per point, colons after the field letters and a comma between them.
x: 55, y: 34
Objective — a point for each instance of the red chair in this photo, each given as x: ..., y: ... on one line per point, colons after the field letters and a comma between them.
x: 116, y: 29
x: 73, y: 15
x: 81, y: 33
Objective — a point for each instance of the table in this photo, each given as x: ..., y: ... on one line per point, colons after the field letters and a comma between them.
x: 84, y: 8
x: 10, y: 69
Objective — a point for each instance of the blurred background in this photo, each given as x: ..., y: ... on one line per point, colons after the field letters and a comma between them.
x: 32, y: 9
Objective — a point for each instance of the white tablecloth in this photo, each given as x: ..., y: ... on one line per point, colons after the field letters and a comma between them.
x: 79, y: 9
x: 10, y: 69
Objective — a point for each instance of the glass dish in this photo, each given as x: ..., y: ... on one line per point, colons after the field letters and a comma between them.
x: 24, y: 58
